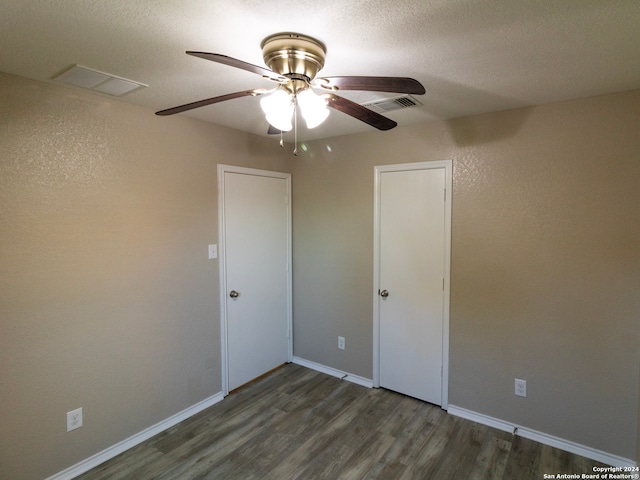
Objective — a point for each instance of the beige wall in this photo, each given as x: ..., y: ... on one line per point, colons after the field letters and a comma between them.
x: 109, y: 303
x: 545, y: 261
x: 108, y: 300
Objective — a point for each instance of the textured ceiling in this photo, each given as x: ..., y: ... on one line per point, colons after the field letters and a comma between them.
x: 472, y: 56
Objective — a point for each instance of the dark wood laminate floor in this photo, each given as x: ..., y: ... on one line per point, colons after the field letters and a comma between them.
x: 298, y: 423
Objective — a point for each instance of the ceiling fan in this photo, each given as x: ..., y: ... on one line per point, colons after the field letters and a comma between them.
x: 294, y: 61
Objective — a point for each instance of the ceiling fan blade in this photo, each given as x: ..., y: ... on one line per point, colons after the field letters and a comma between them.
x: 361, y: 113
x: 208, y: 101
x: 234, y: 62
x: 374, y: 84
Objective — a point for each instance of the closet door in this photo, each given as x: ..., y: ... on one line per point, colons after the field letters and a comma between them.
x: 412, y: 268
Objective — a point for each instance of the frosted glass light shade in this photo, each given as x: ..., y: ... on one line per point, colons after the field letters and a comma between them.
x: 313, y: 107
x: 278, y: 108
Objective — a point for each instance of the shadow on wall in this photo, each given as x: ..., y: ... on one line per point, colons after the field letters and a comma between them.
x: 447, y: 100
x: 489, y: 128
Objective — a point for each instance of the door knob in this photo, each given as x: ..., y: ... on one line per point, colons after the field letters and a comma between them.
x: 233, y: 294
x: 384, y: 293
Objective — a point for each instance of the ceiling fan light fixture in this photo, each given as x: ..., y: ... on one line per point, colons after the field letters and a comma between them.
x: 278, y: 108
x: 313, y: 108
x: 293, y: 60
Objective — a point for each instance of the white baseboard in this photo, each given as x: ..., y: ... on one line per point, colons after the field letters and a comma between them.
x: 118, y: 448
x: 546, y: 439
x: 365, y: 382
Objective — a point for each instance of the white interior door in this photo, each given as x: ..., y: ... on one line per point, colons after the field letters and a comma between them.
x: 256, y: 280
x: 412, y: 300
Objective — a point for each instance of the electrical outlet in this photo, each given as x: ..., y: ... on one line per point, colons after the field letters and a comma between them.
x: 521, y: 387
x: 74, y: 419
x: 341, y: 343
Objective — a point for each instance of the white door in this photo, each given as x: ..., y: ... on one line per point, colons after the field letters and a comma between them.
x: 255, y: 279
x: 412, y: 280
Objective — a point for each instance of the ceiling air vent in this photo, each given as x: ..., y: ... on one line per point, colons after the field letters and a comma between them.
x: 390, y: 104
x: 84, y: 77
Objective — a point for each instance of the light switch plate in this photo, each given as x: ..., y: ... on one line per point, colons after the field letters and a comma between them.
x: 213, y: 251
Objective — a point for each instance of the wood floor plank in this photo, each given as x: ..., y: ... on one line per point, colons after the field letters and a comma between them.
x: 433, y: 451
x: 399, y: 419
x: 553, y: 460
x: 365, y: 457
x: 524, y: 459
x: 493, y: 456
x: 324, y: 441
x: 462, y: 450
x: 299, y: 423
x: 411, y: 436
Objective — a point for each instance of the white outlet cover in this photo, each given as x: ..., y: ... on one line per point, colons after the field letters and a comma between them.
x: 213, y: 251
x: 521, y: 387
x: 74, y: 419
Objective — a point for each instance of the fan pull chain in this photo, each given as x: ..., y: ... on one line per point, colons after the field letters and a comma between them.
x: 295, y: 125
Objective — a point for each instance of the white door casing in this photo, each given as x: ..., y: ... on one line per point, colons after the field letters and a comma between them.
x: 412, y: 231
x: 255, y: 261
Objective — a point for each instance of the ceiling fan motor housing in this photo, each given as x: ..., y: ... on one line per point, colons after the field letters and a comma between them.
x: 293, y: 54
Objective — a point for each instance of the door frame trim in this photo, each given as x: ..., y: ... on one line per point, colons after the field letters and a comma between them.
x: 378, y: 170
x: 222, y: 170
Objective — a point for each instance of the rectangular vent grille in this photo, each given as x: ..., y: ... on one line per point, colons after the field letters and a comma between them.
x: 390, y: 104
x: 84, y: 77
